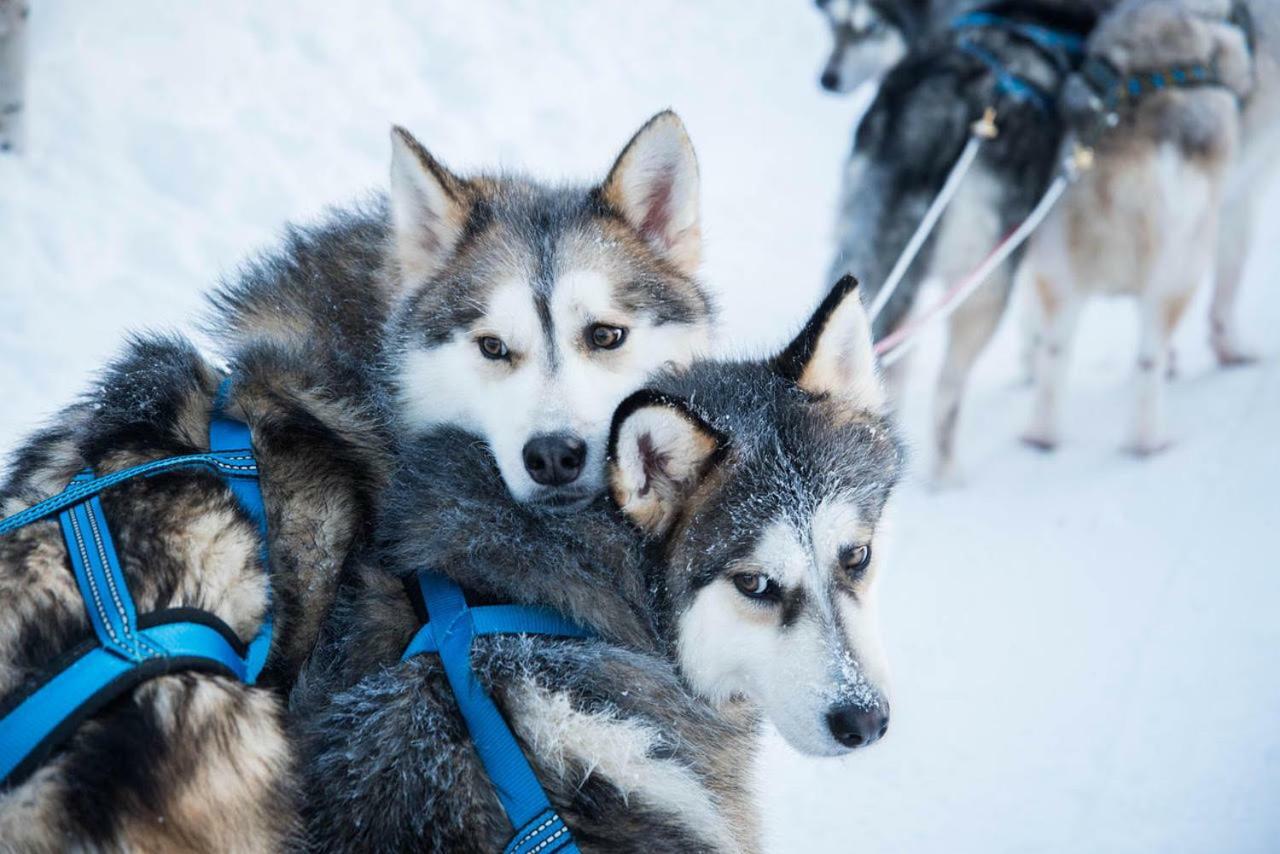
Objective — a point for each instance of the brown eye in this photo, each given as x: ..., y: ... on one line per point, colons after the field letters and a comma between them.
x: 606, y: 337
x: 855, y: 559
x: 755, y: 585
x: 493, y: 348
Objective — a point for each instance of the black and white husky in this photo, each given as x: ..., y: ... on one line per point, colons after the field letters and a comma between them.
x: 908, y: 141
x: 734, y: 569
x: 521, y: 312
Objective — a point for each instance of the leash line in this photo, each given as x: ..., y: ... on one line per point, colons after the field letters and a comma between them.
x: 893, y: 347
x: 926, y: 226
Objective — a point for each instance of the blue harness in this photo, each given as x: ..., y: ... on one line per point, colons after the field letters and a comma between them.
x: 451, y: 627
x: 1051, y: 42
x: 129, y: 649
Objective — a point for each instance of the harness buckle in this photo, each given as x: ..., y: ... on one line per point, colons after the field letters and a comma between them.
x: 985, y: 127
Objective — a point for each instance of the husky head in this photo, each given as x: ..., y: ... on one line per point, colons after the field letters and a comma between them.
x: 765, y: 485
x: 869, y: 36
x: 527, y: 313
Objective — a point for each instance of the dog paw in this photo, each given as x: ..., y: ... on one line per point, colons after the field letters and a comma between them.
x: 1039, y: 441
x: 1230, y: 352
x: 1233, y: 357
x: 946, y: 477
x: 1146, y: 448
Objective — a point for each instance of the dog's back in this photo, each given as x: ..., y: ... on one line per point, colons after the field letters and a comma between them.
x: 185, y: 760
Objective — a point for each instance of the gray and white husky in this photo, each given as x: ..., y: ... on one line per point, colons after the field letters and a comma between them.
x: 905, y: 146
x: 734, y: 569
x: 1144, y: 220
x: 520, y: 312
x: 869, y: 36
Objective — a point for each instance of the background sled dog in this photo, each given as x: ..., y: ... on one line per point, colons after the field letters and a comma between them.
x: 905, y: 146
x: 520, y: 312
x: 745, y: 555
x: 1143, y: 221
x: 188, y: 761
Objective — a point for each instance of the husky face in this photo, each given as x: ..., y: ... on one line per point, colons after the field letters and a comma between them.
x: 530, y: 312
x: 866, y: 42
x: 767, y: 489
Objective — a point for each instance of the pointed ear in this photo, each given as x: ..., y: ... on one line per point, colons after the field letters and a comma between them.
x: 428, y: 207
x: 659, y: 451
x: 654, y: 185
x: 832, y: 356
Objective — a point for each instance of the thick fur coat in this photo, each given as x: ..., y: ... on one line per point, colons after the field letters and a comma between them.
x: 188, y: 761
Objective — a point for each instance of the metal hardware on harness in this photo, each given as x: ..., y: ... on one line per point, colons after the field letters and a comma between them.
x: 126, y: 651
x: 985, y: 127
x: 451, y: 627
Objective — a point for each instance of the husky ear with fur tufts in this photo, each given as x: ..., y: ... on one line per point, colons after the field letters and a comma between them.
x: 428, y: 207
x: 833, y: 356
x: 659, y: 451
x: 654, y: 185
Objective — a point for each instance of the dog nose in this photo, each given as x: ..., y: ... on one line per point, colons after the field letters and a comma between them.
x: 555, y: 459
x: 829, y: 80
x: 857, y: 726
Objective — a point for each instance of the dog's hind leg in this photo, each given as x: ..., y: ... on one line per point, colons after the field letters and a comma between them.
x: 1159, y: 318
x: 1233, y: 249
x: 969, y: 330
x: 1059, y: 310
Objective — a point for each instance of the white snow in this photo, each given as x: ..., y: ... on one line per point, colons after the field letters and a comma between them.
x: 1086, y: 646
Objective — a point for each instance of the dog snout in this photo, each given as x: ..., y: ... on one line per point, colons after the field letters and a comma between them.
x: 555, y: 459
x: 830, y: 79
x: 858, y: 726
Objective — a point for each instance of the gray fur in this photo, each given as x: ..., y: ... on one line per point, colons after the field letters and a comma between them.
x: 386, y: 756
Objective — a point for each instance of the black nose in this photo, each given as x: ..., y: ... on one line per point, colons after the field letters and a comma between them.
x: 830, y: 80
x: 555, y: 458
x: 857, y: 726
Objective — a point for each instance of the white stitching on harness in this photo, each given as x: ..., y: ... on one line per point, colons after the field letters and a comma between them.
x: 93, y: 587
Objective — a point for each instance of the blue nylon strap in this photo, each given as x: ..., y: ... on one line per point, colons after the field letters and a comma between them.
x: 102, y: 585
x: 1006, y: 81
x: 1043, y: 36
x: 234, y: 464
x: 34, y: 720
x: 231, y: 440
x: 123, y: 647
x: 452, y: 626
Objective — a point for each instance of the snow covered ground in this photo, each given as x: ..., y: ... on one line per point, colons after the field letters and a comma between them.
x: 1086, y: 647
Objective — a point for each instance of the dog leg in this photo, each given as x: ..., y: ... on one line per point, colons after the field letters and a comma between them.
x: 1234, y: 238
x: 969, y: 330
x: 1059, y: 313
x: 1159, y: 318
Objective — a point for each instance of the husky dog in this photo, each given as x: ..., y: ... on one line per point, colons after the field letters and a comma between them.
x: 868, y: 37
x: 907, y: 143
x: 735, y: 564
x: 1143, y: 220
x: 519, y: 312
x: 1250, y: 176
x: 187, y: 761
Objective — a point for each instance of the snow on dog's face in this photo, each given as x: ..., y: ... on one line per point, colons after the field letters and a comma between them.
x: 866, y: 42
x: 766, y: 485
x: 530, y: 312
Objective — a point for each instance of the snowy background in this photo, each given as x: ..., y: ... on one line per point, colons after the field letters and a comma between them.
x: 1086, y: 646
